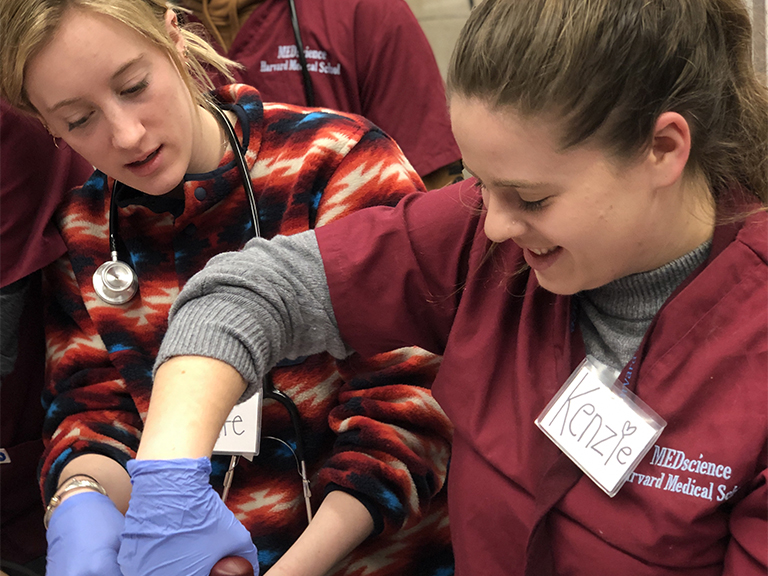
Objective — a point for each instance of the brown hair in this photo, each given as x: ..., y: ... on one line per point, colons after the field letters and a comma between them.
x: 610, y: 68
x: 26, y: 26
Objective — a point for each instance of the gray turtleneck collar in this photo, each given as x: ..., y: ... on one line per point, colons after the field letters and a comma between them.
x: 614, y: 318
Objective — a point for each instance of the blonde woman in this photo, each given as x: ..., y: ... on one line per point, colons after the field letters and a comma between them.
x: 123, y: 83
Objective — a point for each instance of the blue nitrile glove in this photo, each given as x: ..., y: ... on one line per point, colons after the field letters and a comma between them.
x: 84, y: 537
x: 176, y: 524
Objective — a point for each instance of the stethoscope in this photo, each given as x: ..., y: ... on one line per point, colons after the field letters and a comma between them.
x: 115, y: 282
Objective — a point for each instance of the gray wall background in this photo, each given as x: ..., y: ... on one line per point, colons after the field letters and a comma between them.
x: 759, y: 10
x: 442, y: 20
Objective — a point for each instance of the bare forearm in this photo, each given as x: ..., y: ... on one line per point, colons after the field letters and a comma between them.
x: 111, y: 475
x: 191, y: 398
x: 340, y: 525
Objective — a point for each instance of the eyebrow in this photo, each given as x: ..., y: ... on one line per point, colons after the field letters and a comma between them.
x: 119, y: 71
x: 508, y: 183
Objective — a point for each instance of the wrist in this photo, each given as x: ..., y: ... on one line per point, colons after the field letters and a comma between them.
x: 75, y: 484
x: 161, y: 478
x: 75, y: 491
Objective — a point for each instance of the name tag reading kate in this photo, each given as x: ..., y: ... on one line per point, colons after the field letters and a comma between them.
x: 241, y: 433
x: 600, y: 425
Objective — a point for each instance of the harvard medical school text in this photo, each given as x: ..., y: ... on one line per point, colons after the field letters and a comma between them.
x: 678, y: 461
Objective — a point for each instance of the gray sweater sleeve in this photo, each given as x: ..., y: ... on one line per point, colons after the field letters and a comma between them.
x: 256, y: 307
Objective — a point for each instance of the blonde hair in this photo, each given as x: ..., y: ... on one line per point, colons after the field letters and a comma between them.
x: 610, y: 68
x: 26, y: 26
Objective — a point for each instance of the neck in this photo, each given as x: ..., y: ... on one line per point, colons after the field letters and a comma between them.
x: 211, y: 144
x: 699, y: 206
x: 693, y: 217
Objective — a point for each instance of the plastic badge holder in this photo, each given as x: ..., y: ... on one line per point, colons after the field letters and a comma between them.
x: 241, y: 433
x: 600, y: 425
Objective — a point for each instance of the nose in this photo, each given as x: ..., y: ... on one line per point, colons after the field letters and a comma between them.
x: 503, y: 221
x: 127, y: 130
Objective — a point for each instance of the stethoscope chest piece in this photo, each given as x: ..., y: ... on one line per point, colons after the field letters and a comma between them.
x: 115, y: 282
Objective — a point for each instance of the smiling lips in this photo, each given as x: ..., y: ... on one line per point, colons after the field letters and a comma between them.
x: 541, y: 258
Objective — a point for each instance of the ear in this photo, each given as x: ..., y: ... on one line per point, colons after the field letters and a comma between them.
x: 670, y: 148
x: 48, y: 129
x: 172, y: 26
x: 45, y: 125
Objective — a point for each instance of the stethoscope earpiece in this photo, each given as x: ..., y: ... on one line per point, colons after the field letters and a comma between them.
x: 115, y: 282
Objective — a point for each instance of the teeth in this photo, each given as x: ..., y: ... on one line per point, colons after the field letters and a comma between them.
x: 541, y: 251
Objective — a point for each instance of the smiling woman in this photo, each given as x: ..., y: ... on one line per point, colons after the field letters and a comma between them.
x: 542, y: 200
x: 185, y: 173
x: 620, y: 149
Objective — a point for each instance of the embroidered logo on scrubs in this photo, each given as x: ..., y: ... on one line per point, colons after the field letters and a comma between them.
x: 288, y: 59
x: 601, y: 426
x: 696, y: 477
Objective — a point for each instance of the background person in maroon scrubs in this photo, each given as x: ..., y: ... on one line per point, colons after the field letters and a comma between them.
x: 34, y: 177
x: 368, y: 57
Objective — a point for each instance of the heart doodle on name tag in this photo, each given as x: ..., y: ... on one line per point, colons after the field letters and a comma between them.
x: 628, y: 429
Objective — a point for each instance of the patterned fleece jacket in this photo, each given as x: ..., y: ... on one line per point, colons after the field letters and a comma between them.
x: 370, y: 427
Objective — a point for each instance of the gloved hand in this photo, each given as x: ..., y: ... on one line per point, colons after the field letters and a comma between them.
x: 176, y: 524
x: 84, y: 537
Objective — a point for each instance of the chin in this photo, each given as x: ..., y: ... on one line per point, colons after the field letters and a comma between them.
x: 561, y: 288
x: 155, y: 192
x: 154, y: 186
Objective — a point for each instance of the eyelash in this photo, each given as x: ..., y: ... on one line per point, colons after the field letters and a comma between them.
x: 77, y: 123
x: 134, y: 90
x: 524, y: 205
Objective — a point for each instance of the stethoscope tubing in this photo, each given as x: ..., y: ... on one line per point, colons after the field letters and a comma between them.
x: 274, y: 394
x: 243, y: 167
x: 309, y: 90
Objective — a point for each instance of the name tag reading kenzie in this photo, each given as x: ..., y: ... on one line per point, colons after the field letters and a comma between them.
x: 603, y: 427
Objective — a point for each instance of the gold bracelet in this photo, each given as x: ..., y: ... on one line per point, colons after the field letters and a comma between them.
x: 75, y: 482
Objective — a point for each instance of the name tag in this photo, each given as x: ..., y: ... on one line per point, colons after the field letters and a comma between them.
x: 600, y: 425
x: 241, y: 433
